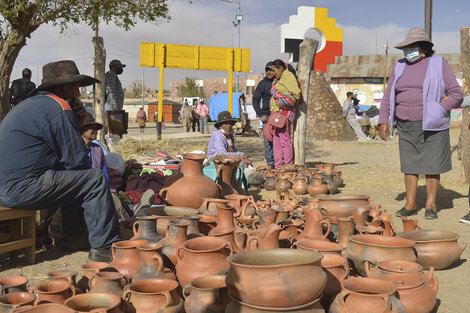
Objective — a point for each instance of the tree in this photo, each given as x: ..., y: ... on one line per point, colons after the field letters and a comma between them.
x: 189, y: 89
x: 135, y: 91
x: 20, y: 18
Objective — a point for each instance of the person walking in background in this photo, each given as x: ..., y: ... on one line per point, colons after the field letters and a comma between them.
x: 194, y: 118
x: 349, y: 112
x: 185, y: 116
x: 203, y: 112
x: 263, y: 93
x: 141, y: 118
x: 114, y: 94
x: 158, y: 125
x: 21, y: 87
x: 420, y: 94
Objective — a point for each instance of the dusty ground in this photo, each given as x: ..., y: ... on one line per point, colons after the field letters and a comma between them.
x: 368, y: 168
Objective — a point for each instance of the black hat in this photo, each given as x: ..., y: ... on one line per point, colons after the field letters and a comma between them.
x: 116, y: 63
x: 61, y: 73
x: 89, y: 120
x: 224, y: 117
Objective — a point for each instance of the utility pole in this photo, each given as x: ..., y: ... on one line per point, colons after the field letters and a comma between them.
x: 237, y: 25
x: 143, y: 92
x: 386, y: 65
x: 428, y: 17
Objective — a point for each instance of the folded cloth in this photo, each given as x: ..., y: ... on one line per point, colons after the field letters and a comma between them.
x: 154, y: 181
x: 135, y: 196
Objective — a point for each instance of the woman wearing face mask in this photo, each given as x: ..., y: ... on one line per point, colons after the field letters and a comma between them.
x: 420, y: 93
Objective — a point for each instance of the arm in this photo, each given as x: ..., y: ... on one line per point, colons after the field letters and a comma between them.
x: 218, y: 145
x: 453, y: 91
x: 256, y: 99
x: 384, y: 113
x: 346, y: 106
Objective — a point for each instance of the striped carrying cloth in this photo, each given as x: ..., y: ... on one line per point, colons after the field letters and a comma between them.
x: 285, y: 100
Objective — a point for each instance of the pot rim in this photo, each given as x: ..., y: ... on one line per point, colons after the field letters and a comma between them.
x: 235, y: 264
x: 380, y: 281
x: 114, y: 297
x: 138, y: 242
x: 12, y: 294
x: 322, y: 249
x: 204, y: 251
x: 404, y: 233
x: 386, y: 266
x: 150, y: 246
x: 194, y: 156
x: 341, y: 197
x: 171, y: 281
x: 412, y: 280
x: 10, y: 278
x: 409, y: 244
x: 221, y: 277
x: 286, y: 309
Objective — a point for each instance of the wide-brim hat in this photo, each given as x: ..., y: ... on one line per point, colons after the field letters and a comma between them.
x: 89, y: 120
x: 416, y: 34
x: 63, y: 72
x: 224, y: 117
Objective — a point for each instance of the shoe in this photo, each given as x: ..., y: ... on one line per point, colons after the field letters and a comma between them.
x: 465, y: 219
x: 71, y: 243
x: 404, y: 212
x: 430, y: 214
x: 100, y: 255
x: 270, y: 167
x: 365, y: 139
x: 145, y: 201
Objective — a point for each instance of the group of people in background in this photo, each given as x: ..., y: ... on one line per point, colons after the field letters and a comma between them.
x: 195, y: 117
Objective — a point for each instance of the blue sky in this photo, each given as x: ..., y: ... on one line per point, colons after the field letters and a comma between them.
x: 209, y: 22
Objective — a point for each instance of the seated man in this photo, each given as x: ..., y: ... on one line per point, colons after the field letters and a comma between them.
x: 46, y: 164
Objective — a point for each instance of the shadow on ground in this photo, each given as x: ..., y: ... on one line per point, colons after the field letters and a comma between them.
x: 445, y: 197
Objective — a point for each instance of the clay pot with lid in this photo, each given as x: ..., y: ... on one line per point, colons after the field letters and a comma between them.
x: 397, y: 267
x: 13, y: 284
x: 188, y: 187
x: 145, y: 228
x: 416, y: 295
x: 323, y: 246
x: 377, y: 248
x: 152, y: 265
x: 126, y: 257
x: 264, y: 239
x: 89, y: 269
x: 276, y: 277
x: 152, y: 295
x: 95, y: 302
x: 16, y: 299
x: 175, y: 236
x: 341, y: 205
x: 300, y: 185
x: 112, y: 282
x: 53, y: 291
x: 337, y: 269
x: 206, y: 294
x: 436, y: 248
x: 237, y: 306
x: 167, y: 213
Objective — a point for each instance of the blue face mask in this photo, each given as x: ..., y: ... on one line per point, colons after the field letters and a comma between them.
x: 411, y: 54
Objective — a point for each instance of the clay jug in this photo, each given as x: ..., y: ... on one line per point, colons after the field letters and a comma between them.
x: 345, y: 229
x: 53, y: 291
x: 175, y: 236
x: 313, y: 228
x: 316, y: 186
x: 13, y: 300
x: 206, y: 294
x: 68, y: 275
x: 152, y: 263
x: 89, y: 269
x: 112, y: 282
x: 266, y: 217
x: 270, y: 181
x: 193, y: 227
x: 145, y: 228
x: 409, y: 224
x: 337, y: 269
x: 226, y: 167
x: 95, y: 302
x: 264, y: 239
x: 152, y: 295
x: 224, y: 219
x: 188, y: 187
x: 13, y: 284
x: 210, y: 204
x: 300, y: 185
x: 283, y: 184
x: 126, y: 257
x: 202, y: 256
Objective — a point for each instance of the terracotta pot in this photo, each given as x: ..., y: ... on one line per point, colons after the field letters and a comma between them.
x: 290, y: 168
x: 68, y: 275
x: 228, y: 236
x: 398, y: 267
x: 55, y: 291
x: 95, y: 302
x: 13, y: 284
x: 313, y: 228
x: 365, y: 295
x: 89, y: 269
x: 226, y: 167
x: 210, y: 204
x: 172, y: 242
x: 152, y: 265
x: 337, y: 269
x: 202, y: 256
x: 276, y: 277
x: 193, y: 227
x: 126, y: 257
x: 188, y: 187
x: 283, y: 184
x: 323, y: 246
x: 236, y: 306
x: 224, y: 219
x: 316, y: 187
x: 330, y: 182
x: 145, y: 228
x: 342, y: 205
x: 240, y: 236
x: 416, y: 295
x: 270, y: 181
x: 167, y: 213
x: 266, y: 217
x: 376, y: 248
x: 436, y: 248
x: 346, y: 227
x: 255, y: 179
x: 265, y: 239
x: 409, y: 224
x: 244, y: 205
x: 111, y: 282
x: 339, y: 177
x: 152, y: 295
x: 206, y: 294
x: 300, y: 185
x: 44, y: 308
x: 17, y: 299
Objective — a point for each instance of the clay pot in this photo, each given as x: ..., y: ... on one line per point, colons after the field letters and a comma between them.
x: 313, y: 228
x: 152, y: 265
x: 416, y: 295
x: 265, y: 239
x: 255, y: 179
x: 341, y: 205
x: 226, y: 167
x: 330, y: 182
x: 290, y: 168
x: 95, y: 302
x: 173, y: 240
x: 145, y: 228
x: 337, y: 269
x: 244, y: 205
x: 126, y: 257
x: 228, y: 236
x: 202, y: 256
x: 270, y: 181
x: 240, y: 235
x: 236, y: 306
x: 323, y: 246
x: 193, y: 227
x: 409, y: 224
x: 436, y: 248
x: 365, y: 295
x: 210, y: 204
x: 224, y: 219
x: 316, y: 187
x: 376, y: 248
x: 44, y: 308
x: 300, y: 185
x: 112, y: 282
x: 188, y: 187
x: 206, y: 294
x: 276, y: 277
x: 283, y: 184
x: 55, y: 291
x: 339, y: 178
x: 152, y: 295
x: 346, y: 227
x: 89, y: 269
x: 168, y: 213
x: 397, y: 267
x: 266, y: 217
x: 68, y: 275
x: 13, y: 284
x: 17, y: 299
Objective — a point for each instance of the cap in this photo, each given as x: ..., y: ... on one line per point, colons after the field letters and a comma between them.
x: 116, y: 63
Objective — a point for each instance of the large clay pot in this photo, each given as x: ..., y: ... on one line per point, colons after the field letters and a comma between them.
x: 210, y: 204
x: 436, y: 248
x: 323, y: 246
x: 377, y: 248
x: 68, y: 275
x: 16, y: 299
x: 397, y: 267
x: 95, y: 302
x: 270, y: 181
x: 152, y: 265
x: 53, y: 291
x: 236, y: 306
x: 276, y: 277
x: 165, y: 214
x: 206, y: 294
x: 89, y: 269
x: 112, y: 282
x: 45, y: 308
x: 316, y: 187
x: 313, y: 228
x: 13, y: 284
x: 414, y: 292
x: 337, y: 269
x: 152, y: 295
x: 346, y: 227
x: 188, y: 187
x: 175, y: 236
x: 224, y: 218
x: 145, y: 228
x: 202, y: 256
x: 264, y: 239
x: 300, y: 185
x: 341, y: 205
x: 226, y: 167
x: 126, y: 257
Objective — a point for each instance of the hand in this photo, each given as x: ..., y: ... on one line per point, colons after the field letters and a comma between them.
x: 384, y: 131
x: 444, y: 98
x: 264, y: 119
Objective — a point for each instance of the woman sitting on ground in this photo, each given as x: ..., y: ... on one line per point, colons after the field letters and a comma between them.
x: 89, y: 132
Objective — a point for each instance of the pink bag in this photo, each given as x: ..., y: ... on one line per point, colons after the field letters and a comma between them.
x: 277, y: 120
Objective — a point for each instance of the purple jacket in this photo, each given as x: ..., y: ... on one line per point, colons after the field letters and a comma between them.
x: 218, y: 144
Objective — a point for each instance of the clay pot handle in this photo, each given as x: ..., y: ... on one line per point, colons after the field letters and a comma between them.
x: 163, y: 193
x: 341, y: 297
x: 434, y: 283
x: 113, y: 251
x: 126, y: 279
x: 72, y: 288
x: 179, y: 255
x: 346, y: 271
x: 168, y: 298
x: 160, y: 261
x: 327, y: 222
x: 229, y: 246
x: 135, y: 227
x: 463, y: 246
x: 388, y: 303
x: 430, y: 273
x: 252, y: 243
x: 186, y: 291
x: 127, y: 295
x: 90, y: 280
x: 371, y: 272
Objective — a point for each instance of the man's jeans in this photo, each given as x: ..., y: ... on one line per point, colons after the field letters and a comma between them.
x: 158, y: 126
x: 74, y: 190
x: 268, y: 151
x: 204, y: 124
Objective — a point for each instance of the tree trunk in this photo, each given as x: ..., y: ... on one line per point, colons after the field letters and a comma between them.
x: 99, y: 97
x: 465, y: 140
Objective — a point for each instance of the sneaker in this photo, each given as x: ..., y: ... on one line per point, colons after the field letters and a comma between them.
x: 145, y: 201
x: 100, y: 255
x: 404, y: 212
x: 365, y: 139
x: 430, y: 214
x: 465, y: 219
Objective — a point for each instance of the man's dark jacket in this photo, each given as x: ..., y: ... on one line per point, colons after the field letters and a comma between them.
x: 262, y: 95
x: 20, y: 88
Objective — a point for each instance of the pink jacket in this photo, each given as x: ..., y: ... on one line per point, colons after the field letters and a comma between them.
x: 202, y: 109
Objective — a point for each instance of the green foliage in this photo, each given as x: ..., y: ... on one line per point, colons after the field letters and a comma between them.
x: 135, y: 91
x: 189, y: 89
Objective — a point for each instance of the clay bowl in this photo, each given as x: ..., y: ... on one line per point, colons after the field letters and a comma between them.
x: 342, y: 205
x: 94, y: 302
x: 14, y: 283
x: 167, y: 213
x: 377, y: 248
x: 45, y: 308
x: 276, y: 277
x: 436, y: 248
x: 322, y: 246
x: 16, y: 299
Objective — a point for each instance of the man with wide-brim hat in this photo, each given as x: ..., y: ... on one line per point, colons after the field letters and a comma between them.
x: 45, y: 163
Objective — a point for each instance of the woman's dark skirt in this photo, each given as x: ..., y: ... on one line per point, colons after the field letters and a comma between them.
x: 423, y: 152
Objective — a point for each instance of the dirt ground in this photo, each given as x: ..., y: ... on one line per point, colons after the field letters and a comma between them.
x: 368, y: 168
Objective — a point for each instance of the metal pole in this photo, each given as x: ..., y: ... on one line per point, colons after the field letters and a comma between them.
x: 238, y: 46
x: 143, y: 92
x: 428, y: 17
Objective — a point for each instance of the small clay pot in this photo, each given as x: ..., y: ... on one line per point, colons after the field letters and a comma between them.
x: 265, y: 239
x: 300, y: 185
x: 152, y: 295
x: 89, y: 269
x: 206, y: 294
x: 95, y: 302
x: 224, y: 218
x: 17, y: 299
x: 175, y: 236
x: 167, y: 213
x: 193, y: 227
x: 68, y: 275
x: 13, y: 284
x: 152, y: 265
x: 270, y: 181
x: 53, y: 291
x: 316, y: 187
x: 126, y: 257
x: 409, y: 224
x: 111, y: 282
x: 314, y: 222
x: 283, y: 184
x: 145, y: 228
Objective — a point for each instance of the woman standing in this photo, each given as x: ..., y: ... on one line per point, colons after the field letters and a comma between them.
x: 285, y: 94
x: 203, y: 112
x: 141, y: 119
x: 420, y: 94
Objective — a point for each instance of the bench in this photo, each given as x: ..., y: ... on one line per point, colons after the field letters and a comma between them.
x: 23, y: 232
